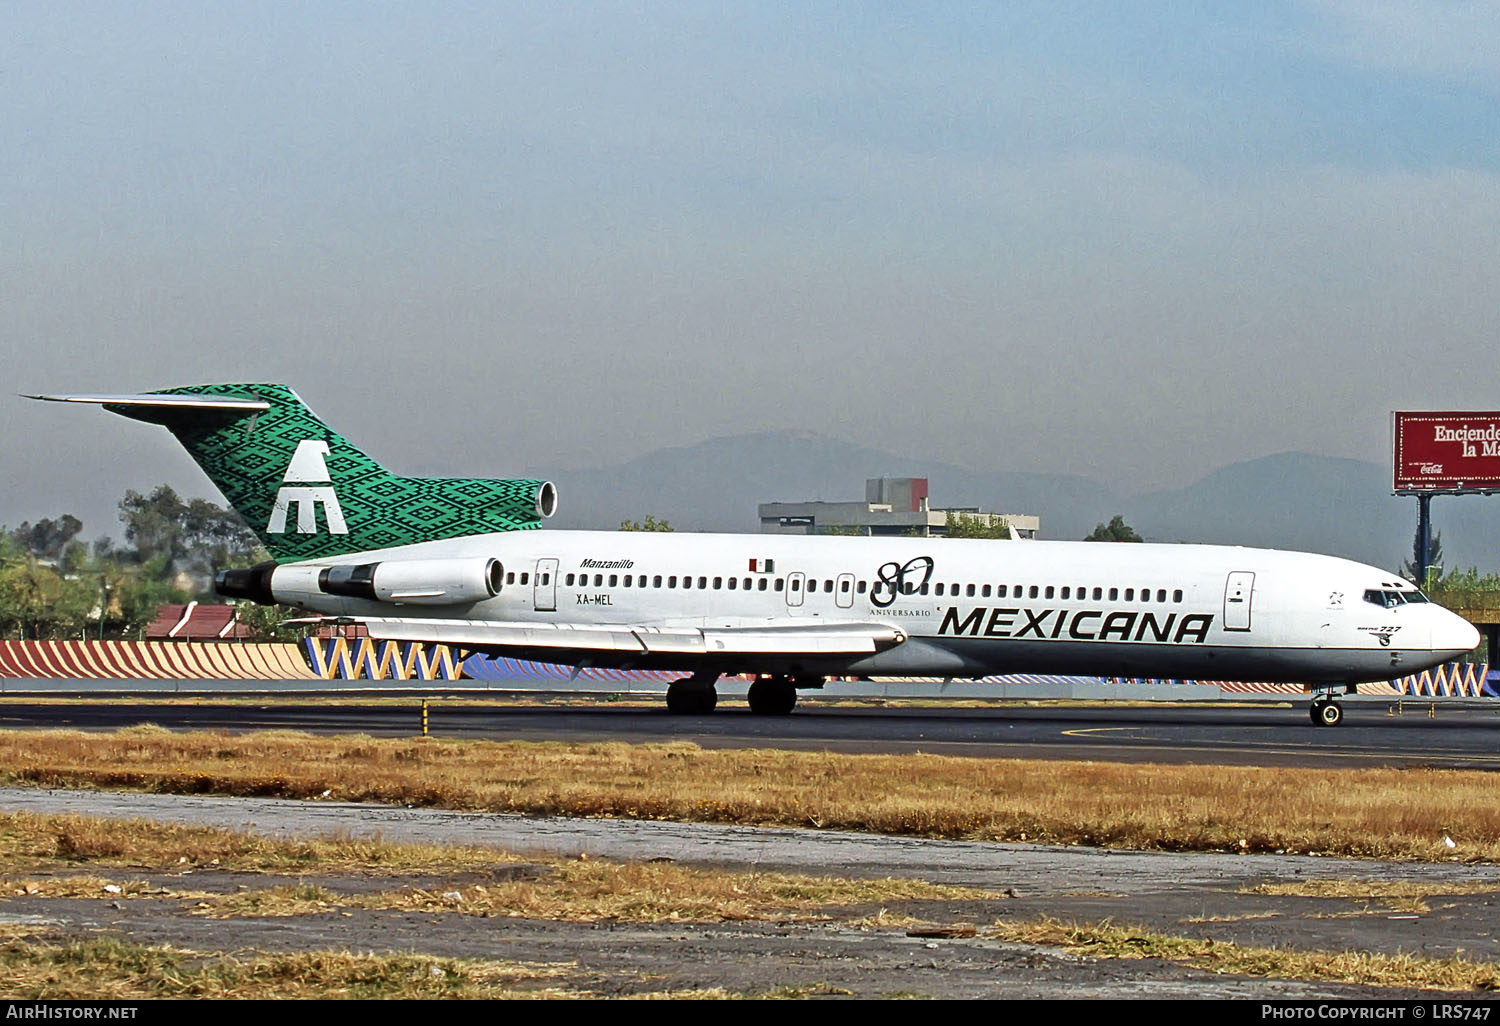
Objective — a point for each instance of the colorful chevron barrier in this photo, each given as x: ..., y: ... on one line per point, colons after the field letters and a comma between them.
x: 151, y: 660
x: 364, y: 658
x: 1455, y: 680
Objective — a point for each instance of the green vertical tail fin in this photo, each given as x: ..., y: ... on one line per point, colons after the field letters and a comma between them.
x: 306, y: 491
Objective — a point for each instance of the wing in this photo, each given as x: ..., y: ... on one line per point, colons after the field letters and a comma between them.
x: 563, y: 642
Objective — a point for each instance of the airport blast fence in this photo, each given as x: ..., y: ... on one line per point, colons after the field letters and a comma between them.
x: 152, y: 660
x: 348, y: 659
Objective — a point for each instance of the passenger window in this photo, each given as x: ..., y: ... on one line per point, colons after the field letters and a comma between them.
x: 860, y: 588
x: 568, y: 580
x: 1066, y: 591
x: 1129, y: 594
x: 510, y: 578
x: 718, y: 583
x: 779, y: 583
x: 762, y: 586
x: 1049, y: 591
x: 524, y: 577
x: 1177, y: 595
x: 936, y: 590
x: 1114, y: 594
x: 656, y: 581
x: 1000, y: 590
x: 1098, y: 594
x: 628, y: 578
x: 1034, y: 591
x: 827, y: 587
x: 1161, y: 594
x: 844, y: 587
x: 546, y: 578
x: 614, y: 580
x: 985, y: 591
x: 969, y: 591
x: 672, y: 581
x: 734, y: 583
x: 703, y: 582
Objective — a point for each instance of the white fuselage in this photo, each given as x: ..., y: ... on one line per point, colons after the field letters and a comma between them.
x: 966, y: 608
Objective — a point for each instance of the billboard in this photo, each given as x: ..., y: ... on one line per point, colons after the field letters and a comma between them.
x: 1446, y: 451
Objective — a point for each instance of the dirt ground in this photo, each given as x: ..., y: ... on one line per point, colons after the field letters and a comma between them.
x: 858, y: 950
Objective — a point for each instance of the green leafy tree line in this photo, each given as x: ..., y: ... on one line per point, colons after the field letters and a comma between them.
x: 52, y: 585
x: 1117, y: 530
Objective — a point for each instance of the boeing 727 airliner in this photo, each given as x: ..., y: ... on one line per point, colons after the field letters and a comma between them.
x: 457, y: 561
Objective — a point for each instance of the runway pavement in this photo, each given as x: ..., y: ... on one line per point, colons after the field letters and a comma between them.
x: 1443, y: 733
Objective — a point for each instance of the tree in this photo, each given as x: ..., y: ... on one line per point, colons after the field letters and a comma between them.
x: 1116, y: 531
x: 1434, y: 559
x: 195, y: 536
x: 264, y: 622
x: 964, y: 525
x: 47, y: 538
x: 649, y: 524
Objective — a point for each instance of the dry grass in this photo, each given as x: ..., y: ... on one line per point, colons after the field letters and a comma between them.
x: 87, y: 887
x: 112, y: 970
x: 1377, y: 896
x: 1384, y: 813
x: 594, y: 890
x: 1365, y: 890
x: 29, y: 841
x: 556, y: 889
x: 1104, y: 940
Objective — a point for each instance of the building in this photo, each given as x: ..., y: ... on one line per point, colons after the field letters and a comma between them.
x: 893, y: 506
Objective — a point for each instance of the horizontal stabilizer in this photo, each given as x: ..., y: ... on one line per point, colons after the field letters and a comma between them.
x: 167, y: 401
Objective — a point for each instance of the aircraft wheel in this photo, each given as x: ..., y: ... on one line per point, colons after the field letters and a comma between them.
x: 685, y: 700
x: 1327, y: 713
x: 772, y: 696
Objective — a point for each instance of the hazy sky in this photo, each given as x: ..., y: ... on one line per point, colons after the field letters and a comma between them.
x: 1130, y: 241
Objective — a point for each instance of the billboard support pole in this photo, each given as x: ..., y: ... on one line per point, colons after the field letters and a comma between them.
x: 1424, y: 538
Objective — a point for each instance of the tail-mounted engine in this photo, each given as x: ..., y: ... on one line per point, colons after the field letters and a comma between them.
x: 422, y: 582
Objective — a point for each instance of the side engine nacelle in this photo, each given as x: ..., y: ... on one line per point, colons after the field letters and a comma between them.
x: 422, y: 582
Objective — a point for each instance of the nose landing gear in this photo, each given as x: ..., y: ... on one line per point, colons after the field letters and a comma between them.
x: 1325, y: 710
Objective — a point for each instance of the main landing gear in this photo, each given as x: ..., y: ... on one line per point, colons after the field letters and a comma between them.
x: 693, y: 695
x: 774, y: 695
x: 1325, y: 710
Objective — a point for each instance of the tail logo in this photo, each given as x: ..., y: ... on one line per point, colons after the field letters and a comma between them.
x: 308, y: 486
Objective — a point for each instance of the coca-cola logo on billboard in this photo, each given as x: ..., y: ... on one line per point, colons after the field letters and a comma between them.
x: 1446, y: 451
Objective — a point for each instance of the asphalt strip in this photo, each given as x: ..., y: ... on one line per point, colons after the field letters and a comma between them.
x: 1032, y: 869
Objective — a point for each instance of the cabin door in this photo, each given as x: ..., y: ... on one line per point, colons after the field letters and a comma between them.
x: 544, y: 586
x: 1238, y: 590
x: 843, y: 591
x: 794, y: 586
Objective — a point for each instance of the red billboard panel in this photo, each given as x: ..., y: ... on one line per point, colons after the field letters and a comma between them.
x: 1447, y: 452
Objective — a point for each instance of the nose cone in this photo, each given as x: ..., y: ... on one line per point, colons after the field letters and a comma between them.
x: 1452, y: 633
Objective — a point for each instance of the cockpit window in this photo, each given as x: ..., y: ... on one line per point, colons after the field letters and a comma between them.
x: 1389, y: 598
